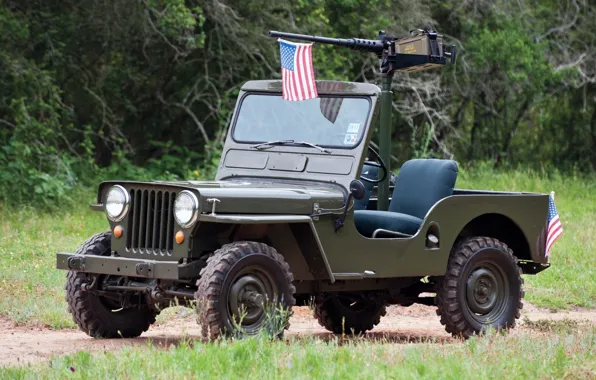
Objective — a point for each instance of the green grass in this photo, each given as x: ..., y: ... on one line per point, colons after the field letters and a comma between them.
x: 33, y: 290
x: 492, y: 357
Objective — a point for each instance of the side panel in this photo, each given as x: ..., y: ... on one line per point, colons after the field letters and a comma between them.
x: 348, y: 252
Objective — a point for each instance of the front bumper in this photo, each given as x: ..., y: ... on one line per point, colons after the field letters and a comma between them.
x: 122, y: 266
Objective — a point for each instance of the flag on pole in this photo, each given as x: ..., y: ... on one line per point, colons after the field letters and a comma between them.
x: 555, y: 229
x: 297, y: 73
x: 330, y: 105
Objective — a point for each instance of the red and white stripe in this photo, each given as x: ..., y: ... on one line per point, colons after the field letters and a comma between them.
x: 330, y: 106
x: 300, y: 83
x: 555, y: 230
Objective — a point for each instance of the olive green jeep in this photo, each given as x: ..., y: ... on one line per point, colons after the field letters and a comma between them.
x: 293, y: 218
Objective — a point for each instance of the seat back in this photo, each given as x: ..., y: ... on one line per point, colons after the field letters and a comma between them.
x: 371, y: 172
x: 420, y: 184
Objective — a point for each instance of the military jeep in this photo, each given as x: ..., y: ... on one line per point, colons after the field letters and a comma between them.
x: 292, y: 218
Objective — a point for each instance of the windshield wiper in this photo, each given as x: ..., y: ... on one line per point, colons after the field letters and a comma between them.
x: 306, y: 143
x: 269, y: 144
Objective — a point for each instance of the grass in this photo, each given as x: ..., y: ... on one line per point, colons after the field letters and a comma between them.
x: 492, y: 357
x: 33, y: 290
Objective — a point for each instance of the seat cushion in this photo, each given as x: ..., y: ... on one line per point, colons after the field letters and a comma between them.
x: 367, y: 221
x: 421, y: 183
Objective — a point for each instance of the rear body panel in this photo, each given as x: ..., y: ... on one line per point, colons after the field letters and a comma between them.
x: 350, y: 252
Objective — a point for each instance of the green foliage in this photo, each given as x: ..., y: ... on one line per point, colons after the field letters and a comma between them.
x: 34, y: 168
x: 146, y: 89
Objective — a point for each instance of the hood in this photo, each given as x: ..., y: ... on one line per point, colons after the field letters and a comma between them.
x: 250, y: 195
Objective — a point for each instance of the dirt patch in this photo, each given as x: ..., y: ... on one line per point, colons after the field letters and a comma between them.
x: 417, y: 323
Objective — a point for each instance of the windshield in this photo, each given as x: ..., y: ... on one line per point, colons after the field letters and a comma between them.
x: 327, y: 121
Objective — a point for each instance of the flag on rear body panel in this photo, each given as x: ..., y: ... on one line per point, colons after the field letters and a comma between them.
x: 330, y: 106
x: 297, y: 74
x: 555, y: 229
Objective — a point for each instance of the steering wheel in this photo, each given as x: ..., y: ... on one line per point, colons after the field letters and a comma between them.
x: 379, y: 164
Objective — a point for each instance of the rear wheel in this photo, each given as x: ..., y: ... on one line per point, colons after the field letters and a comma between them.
x: 246, y: 288
x: 97, y: 315
x: 482, y: 288
x: 349, y: 313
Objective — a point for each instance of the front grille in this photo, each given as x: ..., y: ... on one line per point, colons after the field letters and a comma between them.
x: 151, y: 222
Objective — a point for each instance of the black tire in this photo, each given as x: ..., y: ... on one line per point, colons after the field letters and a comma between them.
x: 93, y: 314
x: 236, y: 274
x: 482, y: 288
x: 347, y: 313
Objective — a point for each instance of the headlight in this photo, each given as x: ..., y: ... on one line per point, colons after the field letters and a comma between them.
x: 117, y: 202
x: 186, y: 208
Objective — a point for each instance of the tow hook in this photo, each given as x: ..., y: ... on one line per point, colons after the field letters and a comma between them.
x: 88, y: 287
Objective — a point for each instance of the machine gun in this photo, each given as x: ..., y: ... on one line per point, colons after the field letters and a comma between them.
x: 422, y: 50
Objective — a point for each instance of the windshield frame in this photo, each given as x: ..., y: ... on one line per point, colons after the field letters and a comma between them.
x: 261, y: 93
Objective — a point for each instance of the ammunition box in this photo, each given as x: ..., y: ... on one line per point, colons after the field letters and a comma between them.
x: 420, y: 44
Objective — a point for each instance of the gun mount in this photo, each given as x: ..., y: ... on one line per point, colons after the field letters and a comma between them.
x: 422, y: 50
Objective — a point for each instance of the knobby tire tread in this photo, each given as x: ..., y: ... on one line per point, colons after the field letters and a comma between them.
x: 82, y: 309
x: 448, y: 307
x: 214, y: 274
x: 336, y: 324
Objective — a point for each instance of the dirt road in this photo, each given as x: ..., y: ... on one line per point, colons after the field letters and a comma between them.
x: 19, y: 345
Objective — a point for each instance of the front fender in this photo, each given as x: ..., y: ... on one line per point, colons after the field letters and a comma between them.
x: 302, y: 228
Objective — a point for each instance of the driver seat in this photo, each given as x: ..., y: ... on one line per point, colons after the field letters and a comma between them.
x: 419, y: 185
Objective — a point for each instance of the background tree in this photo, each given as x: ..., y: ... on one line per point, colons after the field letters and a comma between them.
x: 146, y: 88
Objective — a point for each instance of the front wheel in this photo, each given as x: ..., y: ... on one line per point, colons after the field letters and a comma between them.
x: 482, y: 288
x: 246, y: 288
x: 99, y: 316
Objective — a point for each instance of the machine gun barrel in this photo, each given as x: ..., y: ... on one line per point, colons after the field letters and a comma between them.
x: 374, y: 46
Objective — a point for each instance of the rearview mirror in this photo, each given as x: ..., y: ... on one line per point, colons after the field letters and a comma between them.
x: 357, y: 189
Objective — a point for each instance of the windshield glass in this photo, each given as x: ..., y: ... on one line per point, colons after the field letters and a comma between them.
x: 326, y: 121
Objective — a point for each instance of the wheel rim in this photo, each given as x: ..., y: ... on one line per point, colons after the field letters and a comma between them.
x: 487, y: 291
x: 250, y: 293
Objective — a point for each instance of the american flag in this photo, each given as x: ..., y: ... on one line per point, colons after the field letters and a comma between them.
x: 330, y: 106
x: 555, y: 229
x: 297, y: 73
